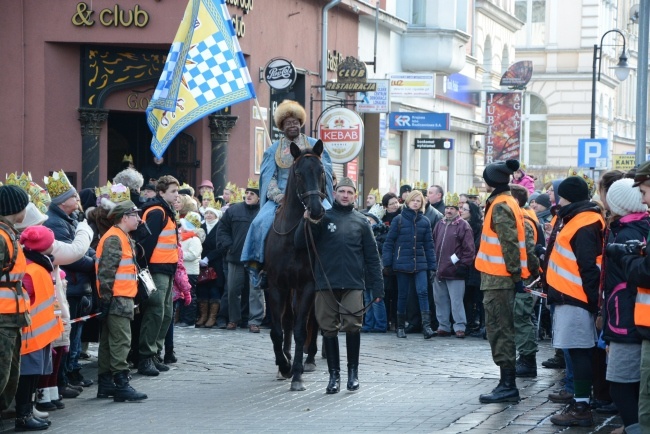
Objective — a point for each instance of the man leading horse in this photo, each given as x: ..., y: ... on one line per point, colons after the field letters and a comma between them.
x: 289, y: 117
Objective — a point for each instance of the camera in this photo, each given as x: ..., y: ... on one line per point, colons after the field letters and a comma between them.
x: 630, y: 247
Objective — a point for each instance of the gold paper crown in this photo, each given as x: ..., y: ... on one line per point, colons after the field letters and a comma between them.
x: 252, y: 183
x: 522, y: 166
x: 581, y: 174
x: 420, y: 185
x: 128, y: 158
x: 186, y: 186
x: 232, y: 187
x: 374, y: 192
x: 237, y: 195
x: 57, y: 184
x: 403, y: 182
x: 472, y: 192
x: 38, y: 194
x: 452, y: 199
x: 216, y: 205
x: 208, y: 195
x: 116, y: 193
x: 193, y: 218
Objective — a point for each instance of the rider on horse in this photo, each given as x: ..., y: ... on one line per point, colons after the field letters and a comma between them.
x: 289, y: 117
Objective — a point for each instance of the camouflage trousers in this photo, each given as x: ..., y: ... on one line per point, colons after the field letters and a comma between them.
x: 525, y: 339
x: 10, y: 341
x: 500, y: 327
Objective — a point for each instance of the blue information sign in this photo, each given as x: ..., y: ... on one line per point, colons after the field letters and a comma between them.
x: 418, y: 121
x: 592, y: 153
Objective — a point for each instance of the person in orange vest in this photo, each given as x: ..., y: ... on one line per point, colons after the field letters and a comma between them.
x: 117, y: 285
x: 573, y: 278
x: 14, y: 302
x: 45, y: 327
x: 502, y: 261
x: 634, y: 259
x: 160, y: 246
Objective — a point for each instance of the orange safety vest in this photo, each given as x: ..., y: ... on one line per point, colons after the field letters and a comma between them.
x: 534, y: 226
x: 532, y: 214
x: 166, y: 250
x: 642, y: 307
x: 126, y: 277
x: 13, y: 299
x: 562, y: 272
x: 489, y: 258
x: 46, y: 326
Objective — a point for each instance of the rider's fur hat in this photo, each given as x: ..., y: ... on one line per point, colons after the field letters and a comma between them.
x: 287, y: 109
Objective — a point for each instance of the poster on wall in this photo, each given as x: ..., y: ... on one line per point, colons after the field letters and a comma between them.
x: 503, y: 117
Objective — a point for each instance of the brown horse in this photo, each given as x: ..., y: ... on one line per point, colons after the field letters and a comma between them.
x: 290, y: 279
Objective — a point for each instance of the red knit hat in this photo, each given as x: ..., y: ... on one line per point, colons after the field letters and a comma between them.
x: 37, y: 238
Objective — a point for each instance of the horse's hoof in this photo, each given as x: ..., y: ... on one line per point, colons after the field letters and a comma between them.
x: 297, y: 386
x: 285, y: 374
x: 279, y: 376
x: 310, y: 367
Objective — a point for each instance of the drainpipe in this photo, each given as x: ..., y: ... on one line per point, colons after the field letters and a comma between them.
x: 323, y: 65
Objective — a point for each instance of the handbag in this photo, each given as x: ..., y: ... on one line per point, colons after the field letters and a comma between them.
x: 207, y: 274
x: 146, y: 281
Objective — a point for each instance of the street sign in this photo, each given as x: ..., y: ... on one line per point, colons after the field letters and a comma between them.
x: 418, y: 121
x: 444, y: 144
x: 592, y: 153
x: 624, y: 162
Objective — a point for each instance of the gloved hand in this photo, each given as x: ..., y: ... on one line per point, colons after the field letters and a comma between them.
x: 519, y: 287
x: 432, y: 275
x: 462, y: 270
x: 388, y: 271
x: 80, y: 216
x: 631, y: 247
x: 188, y: 299
x: 104, y: 307
x: 278, y: 198
x: 203, y: 262
x: 540, y: 251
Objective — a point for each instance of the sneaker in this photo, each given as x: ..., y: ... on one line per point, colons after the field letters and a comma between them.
x: 575, y: 414
x: 561, y: 397
x: 554, y: 363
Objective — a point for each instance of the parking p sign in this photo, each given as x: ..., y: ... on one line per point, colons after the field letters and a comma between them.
x: 592, y: 153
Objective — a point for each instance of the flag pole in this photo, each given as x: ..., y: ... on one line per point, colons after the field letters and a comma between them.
x: 266, y: 130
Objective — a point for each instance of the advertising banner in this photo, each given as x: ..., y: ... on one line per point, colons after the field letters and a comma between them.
x: 341, y: 131
x: 503, y: 116
x: 412, y: 85
x: 374, y: 102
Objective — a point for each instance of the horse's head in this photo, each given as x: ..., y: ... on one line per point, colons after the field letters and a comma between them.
x: 309, y: 178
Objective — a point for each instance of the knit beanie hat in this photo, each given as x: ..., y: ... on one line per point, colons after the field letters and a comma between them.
x: 404, y: 189
x: 533, y: 197
x: 544, y: 200
x: 624, y: 199
x: 574, y: 189
x: 13, y: 200
x: 498, y: 173
x: 33, y: 217
x: 37, y: 238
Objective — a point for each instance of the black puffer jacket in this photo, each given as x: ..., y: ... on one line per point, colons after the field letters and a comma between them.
x: 233, y: 228
x: 79, y: 274
x: 618, y: 306
x: 210, y: 251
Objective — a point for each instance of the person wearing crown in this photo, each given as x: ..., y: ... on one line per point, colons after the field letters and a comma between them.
x: 276, y: 164
x: 63, y: 214
x: 372, y: 199
x: 132, y: 179
x: 229, y: 193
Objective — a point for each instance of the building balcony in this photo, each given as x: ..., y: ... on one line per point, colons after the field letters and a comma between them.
x: 426, y: 49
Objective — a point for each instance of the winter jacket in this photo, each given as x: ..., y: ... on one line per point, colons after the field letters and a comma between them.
x: 526, y: 181
x: 409, y: 245
x: 233, y: 228
x: 474, y: 276
x: 347, y: 251
x: 212, y: 253
x: 147, y: 235
x: 587, y: 245
x: 80, y: 273
x: 192, y: 251
x: 637, y: 268
x: 618, y: 305
x: 433, y: 215
x: 181, y: 288
x: 450, y: 238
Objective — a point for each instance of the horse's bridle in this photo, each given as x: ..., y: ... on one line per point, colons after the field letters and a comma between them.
x: 303, y: 196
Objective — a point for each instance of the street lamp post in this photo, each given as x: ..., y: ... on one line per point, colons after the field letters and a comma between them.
x: 621, y: 70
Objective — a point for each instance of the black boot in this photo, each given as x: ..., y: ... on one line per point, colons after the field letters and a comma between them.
x: 527, y: 366
x: 426, y: 325
x: 353, y: 344
x: 25, y: 420
x: 401, y: 319
x: 331, y: 347
x: 506, y: 391
x: 170, y: 356
x: 146, y: 367
x: 123, y: 390
x: 105, y: 385
x: 77, y: 379
x: 158, y: 363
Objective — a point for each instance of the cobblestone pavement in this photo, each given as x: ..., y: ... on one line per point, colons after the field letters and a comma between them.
x: 225, y: 381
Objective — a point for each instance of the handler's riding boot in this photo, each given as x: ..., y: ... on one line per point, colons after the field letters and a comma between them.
x: 203, y: 314
x: 353, y: 344
x: 212, y: 315
x: 124, y: 391
x: 401, y: 320
x: 506, y: 391
x: 105, y: 385
x: 426, y: 325
x: 331, y: 346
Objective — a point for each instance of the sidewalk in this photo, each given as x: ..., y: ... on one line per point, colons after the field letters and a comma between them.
x: 224, y: 381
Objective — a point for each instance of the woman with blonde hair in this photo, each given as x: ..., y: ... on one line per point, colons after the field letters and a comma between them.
x: 408, y: 251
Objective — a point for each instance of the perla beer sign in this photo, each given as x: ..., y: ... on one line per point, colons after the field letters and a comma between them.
x: 341, y: 131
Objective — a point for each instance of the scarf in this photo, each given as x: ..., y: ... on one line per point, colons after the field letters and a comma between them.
x: 40, y: 259
x: 209, y: 225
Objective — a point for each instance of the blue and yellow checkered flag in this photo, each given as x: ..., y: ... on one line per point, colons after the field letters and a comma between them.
x: 205, y: 71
